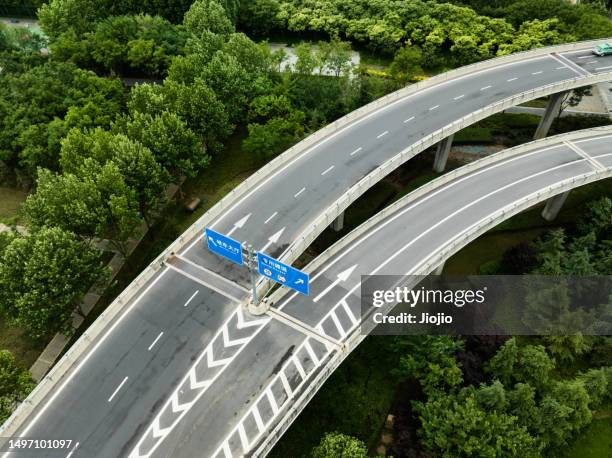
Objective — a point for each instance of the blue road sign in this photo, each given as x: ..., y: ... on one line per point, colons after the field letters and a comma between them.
x: 283, y: 274
x: 224, y: 246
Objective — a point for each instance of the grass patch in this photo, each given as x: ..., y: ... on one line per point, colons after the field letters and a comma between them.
x: 488, y: 248
x: 595, y: 441
x: 471, y: 135
x: 355, y: 400
x: 10, y: 202
x: 24, y: 348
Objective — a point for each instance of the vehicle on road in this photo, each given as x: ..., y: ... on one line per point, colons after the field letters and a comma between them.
x: 603, y: 49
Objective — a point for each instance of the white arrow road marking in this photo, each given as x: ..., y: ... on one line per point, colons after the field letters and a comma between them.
x: 342, y: 276
x: 238, y: 224
x: 272, y: 240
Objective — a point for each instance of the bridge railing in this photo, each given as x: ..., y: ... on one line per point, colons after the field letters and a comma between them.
x: 357, y: 334
x: 78, y: 353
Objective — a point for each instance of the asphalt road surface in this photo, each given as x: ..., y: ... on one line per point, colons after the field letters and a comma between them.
x: 173, y: 374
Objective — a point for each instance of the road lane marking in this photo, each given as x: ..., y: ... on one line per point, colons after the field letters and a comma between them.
x: 101, y: 340
x: 341, y: 277
x: 604, y: 68
x: 191, y: 298
x: 155, y: 341
x: 433, y: 108
x: 285, y: 383
x: 591, y: 62
x: 485, y: 88
x: 560, y: 68
x: 272, y: 401
x: 243, y: 437
x: 383, y: 134
x: 118, y: 388
x: 258, y: 420
x: 348, y: 126
x: 585, y: 57
x: 270, y: 217
x: 538, y: 73
x: 273, y: 239
x: 459, y: 97
x: 408, y: 120
x: 73, y: 450
x: 327, y: 170
x: 356, y: 151
x: 299, y: 192
x: 512, y: 79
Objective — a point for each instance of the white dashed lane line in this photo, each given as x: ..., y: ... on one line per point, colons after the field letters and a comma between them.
x: 485, y: 88
x: 584, y: 57
x: 191, y: 298
x: 383, y: 134
x: 327, y: 170
x: 538, y: 73
x: 591, y: 62
x: 356, y: 151
x: 459, y: 97
x: 117, y: 389
x: 409, y: 119
x: 299, y: 192
x: 270, y: 217
x: 512, y: 79
x: 155, y: 341
x: 560, y: 68
x: 604, y: 68
x: 433, y: 108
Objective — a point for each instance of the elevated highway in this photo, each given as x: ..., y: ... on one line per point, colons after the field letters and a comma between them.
x: 152, y: 376
x: 412, y: 237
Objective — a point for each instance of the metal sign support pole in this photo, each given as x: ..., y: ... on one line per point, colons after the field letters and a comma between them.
x: 252, y: 264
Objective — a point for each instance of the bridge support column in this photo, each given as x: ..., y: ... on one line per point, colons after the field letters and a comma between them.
x: 552, y: 111
x: 442, y: 153
x: 338, y: 224
x: 553, y: 206
x: 439, y: 269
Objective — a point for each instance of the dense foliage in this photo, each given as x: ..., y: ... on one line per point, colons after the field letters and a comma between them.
x: 448, y: 33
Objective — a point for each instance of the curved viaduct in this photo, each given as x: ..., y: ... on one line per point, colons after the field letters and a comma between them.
x: 140, y: 381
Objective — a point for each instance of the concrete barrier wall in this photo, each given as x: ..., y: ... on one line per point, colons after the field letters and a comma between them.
x: 78, y: 351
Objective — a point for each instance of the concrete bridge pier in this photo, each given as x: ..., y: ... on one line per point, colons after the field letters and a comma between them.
x: 442, y: 153
x: 552, y: 111
x: 554, y: 205
x: 338, y: 224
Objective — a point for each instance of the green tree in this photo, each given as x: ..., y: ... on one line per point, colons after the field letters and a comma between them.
x: 207, y: 15
x: 337, y: 445
x: 44, y: 276
x: 306, y: 59
x: 406, y: 63
x: 15, y: 384
x: 174, y: 145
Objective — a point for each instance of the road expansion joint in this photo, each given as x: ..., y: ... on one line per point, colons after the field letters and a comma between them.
x: 597, y: 166
x: 207, y: 278
x: 304, y: 328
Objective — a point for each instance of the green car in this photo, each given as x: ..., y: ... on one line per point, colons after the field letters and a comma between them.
x: 603, y: 50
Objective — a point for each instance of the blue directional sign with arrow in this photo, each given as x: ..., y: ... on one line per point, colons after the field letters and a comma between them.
x: 224, y: 246
x: 283, y: 274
